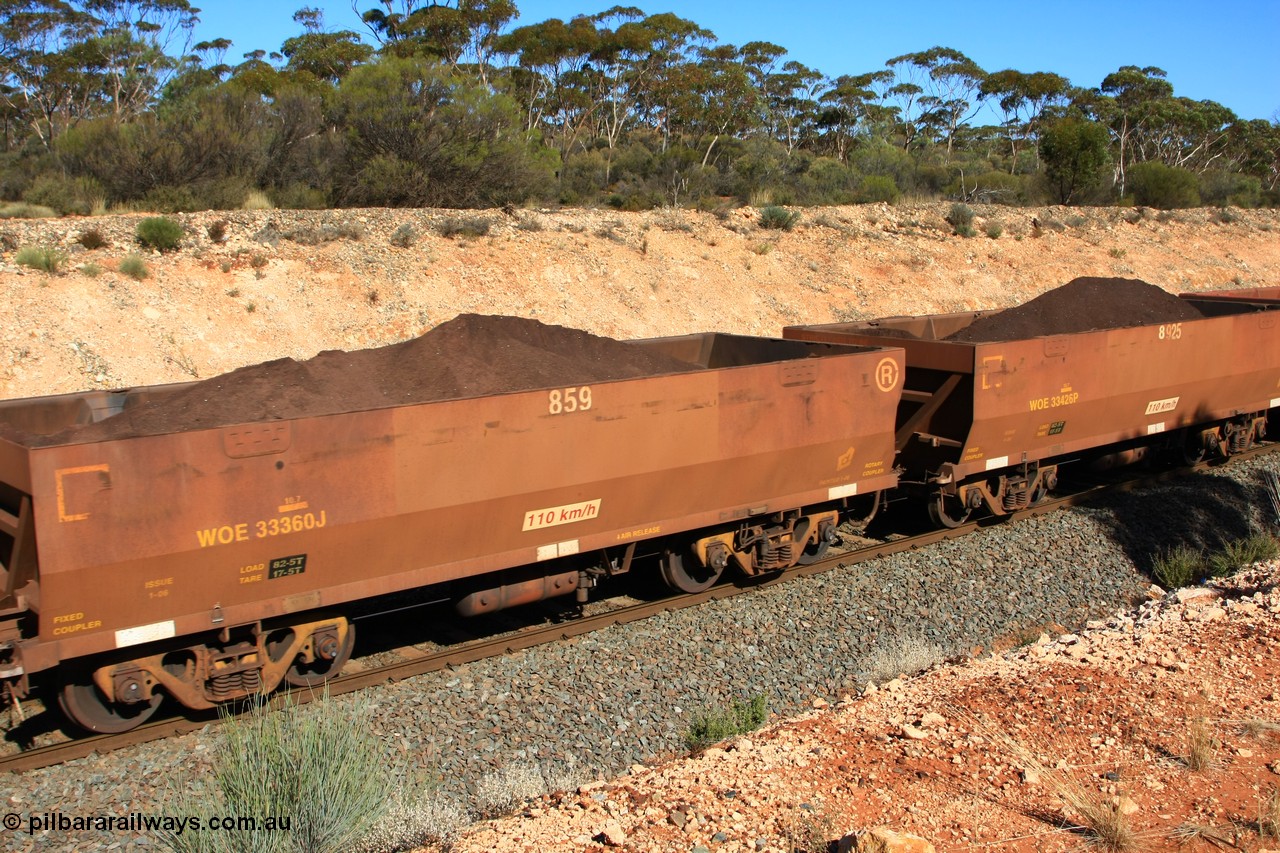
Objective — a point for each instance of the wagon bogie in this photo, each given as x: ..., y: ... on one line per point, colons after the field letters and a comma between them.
x: 769, y: 544
x: 235, y: 664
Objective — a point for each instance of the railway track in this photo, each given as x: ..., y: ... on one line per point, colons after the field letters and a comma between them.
x: 414, y: 661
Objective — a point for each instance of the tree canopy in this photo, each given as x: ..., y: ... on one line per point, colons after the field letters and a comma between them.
x: 457, y: 103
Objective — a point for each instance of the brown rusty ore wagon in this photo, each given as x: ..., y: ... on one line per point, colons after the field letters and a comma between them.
x: 985, y: 424
x: 214, y: 563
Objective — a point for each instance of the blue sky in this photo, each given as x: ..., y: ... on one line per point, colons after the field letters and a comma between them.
x: 1221, y: 51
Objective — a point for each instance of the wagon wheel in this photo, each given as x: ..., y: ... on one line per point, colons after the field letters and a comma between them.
x: 320, y: 670
x: 944, y: 511
x: 813, y: 553
x: 683, y: 573
x: 1193, y: 448
x: 817, y: 549
x: 83, y: 702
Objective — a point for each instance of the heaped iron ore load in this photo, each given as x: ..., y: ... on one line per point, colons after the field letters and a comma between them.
x: 994, y: 402
x: 200, y: 540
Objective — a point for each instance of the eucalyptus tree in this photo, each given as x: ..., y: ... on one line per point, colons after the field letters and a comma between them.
x: 793, y: 95
x: 1255, y: 149
x: 937, y: 90
x: 321, y: 53
x: 718, y: 98
x: 849, y: 105
x: 453, y: 32
x: 62, y: 61
x: 554, y: 84
x: 760, y: 60
x: 1023, y: 99
x: 1124, y: 102
x: 1184, y: 134
x: 657, y: 80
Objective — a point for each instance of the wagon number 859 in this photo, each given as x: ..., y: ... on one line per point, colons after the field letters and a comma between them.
x: 569, y: 400
x: 1170, y: 331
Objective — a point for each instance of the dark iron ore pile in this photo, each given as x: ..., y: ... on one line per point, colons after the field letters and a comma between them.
x: 1081, y: 305
x: 471, y: 355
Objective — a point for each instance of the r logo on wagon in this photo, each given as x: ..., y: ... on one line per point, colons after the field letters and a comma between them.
x: 887, y: 374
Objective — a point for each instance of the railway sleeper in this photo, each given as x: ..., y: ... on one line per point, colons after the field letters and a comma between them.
x: 204, y: 676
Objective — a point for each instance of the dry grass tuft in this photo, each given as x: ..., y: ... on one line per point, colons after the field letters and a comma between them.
x: 1185, y: 833
x: 805, y: 830
x: 1098, y: 813
x: 1260, y: 729
x: 1202, y: 746
x: 1269, y: 814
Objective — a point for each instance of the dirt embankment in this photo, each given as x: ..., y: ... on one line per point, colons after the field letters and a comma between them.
x: 290, y: 284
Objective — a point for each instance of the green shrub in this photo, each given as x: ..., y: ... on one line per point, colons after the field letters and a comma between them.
x: 63, y: 194
x: 318, y: 766
x: 1241, y: 553
x: 92, y: 270
x: 1230, y: 188
x: 404, y: 236
x: 300, y: 197
x: 994, y: 230
x: 879, y: 188
x: 23, y: 210
x: 1156, y: 185
x: 134, y: 267
x: 714, y: 725
x: 464, y: 226
x: 960, y: 218
x: 778, y: 218
x: 168, y: 199
x: 92, y: 239
x: 44, y: 258
x: 1178, y: 567
x: 159, y: 232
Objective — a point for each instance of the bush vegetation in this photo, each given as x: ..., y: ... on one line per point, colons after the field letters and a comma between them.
x: 716, y: 724
x: 1156, y: 185
x: 24, y: 210
x: 91, y: 238
x: 134, y: 267
x: 960, y: 218
x: 778, y: 218
x: 160, y: 232
x: 44, y: 258
x: 1183, y: 565
x: 464, y: 226
x: 404, y: 236
x: 318, y: 765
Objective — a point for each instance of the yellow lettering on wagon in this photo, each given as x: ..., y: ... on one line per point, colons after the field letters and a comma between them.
x: 73, y: 623
x: 266, y: 528
x: 639, y: 533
